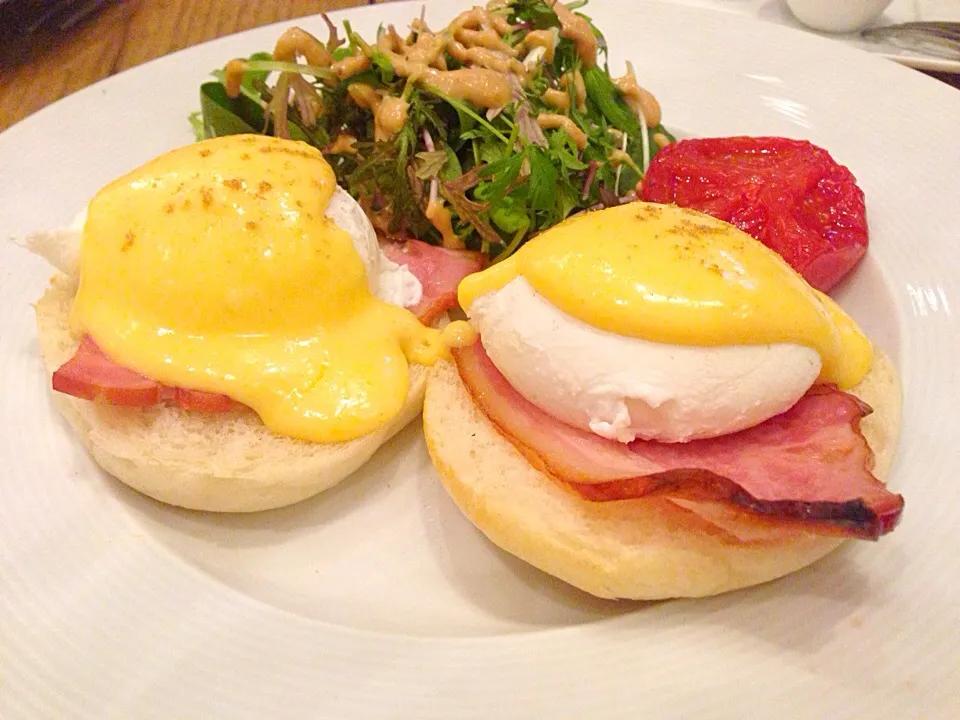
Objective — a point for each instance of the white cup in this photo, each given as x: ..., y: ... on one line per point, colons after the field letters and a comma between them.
x: 837, y: 16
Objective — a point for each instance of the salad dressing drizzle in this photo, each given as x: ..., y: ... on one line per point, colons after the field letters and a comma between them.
x: 496, y: 63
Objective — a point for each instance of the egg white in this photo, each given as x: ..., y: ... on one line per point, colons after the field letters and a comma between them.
x: 625, y: 388
x: 389, y: 281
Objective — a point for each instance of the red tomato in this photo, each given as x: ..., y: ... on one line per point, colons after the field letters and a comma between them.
x: 788, y: 194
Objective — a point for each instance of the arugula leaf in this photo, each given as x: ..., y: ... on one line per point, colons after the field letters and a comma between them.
x: 504, y: 173
x: 463, y: 109
x: 501, y: 181
x: 565, y: 150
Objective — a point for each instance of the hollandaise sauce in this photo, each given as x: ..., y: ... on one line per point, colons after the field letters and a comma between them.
x: 672, y: 275
x: 214, y: 267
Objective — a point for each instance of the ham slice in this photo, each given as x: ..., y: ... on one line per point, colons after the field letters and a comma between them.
x: 90, y: 374
x: 439, y: 271
x: 809, y: 466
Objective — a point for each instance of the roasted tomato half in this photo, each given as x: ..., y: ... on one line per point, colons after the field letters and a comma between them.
x: 788, y: 194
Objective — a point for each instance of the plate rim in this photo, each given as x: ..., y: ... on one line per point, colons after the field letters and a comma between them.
x: 401, y: 652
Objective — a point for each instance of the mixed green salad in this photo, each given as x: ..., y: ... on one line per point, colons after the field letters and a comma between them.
x: 478, y: 135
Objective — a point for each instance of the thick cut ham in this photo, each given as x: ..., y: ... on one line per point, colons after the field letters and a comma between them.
x: 810, y: 465
x: 439, y: 271
x: 90, y: 375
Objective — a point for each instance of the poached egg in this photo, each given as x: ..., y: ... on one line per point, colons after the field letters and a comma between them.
x: 391, y: 282
x: 237, y: 266
x: 660, y: 323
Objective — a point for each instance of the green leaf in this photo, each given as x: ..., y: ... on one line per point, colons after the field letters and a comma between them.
x: 509, y: 218
x: 196, y: 124
x: 538, y: 14
x: 602, y: 91
x: 565, y: 57
x: 538, y: 84
x: 406, y: 142
x: 380, y: 61
x: 252, y: 76
x: 430, y: 164
x: 514, y: 37
x: 423, y: 111
x: 492, y: 151
x: 354, y: 41
x: 463, y: 109
x: 565, y: 150
x: 628, y: 178
x: 258, y: 70
x: 568, y: 200
x: 451, y: 168
x: 472, y: 134
x: 224, y: 115
x: 499, y: 187
x: 503, y: 173
x: 543, y: 180
x: 467, y: 123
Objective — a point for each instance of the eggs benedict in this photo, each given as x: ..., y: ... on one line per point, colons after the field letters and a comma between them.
x: 663, y: 408
x: 234, y: 275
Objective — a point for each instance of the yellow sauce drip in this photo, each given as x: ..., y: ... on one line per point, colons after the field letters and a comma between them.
x: 389, y: 118
x: 559, y: 99
x: 541, y: 38
x: 574, y: 27
x: 350, y: 66
x: 672, y: 275
x: 440, y: 218
x: 214, y: 267
x: 549, y: 121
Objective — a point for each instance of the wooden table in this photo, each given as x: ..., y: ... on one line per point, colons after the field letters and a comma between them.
x: 134, y: 31
x: 125, y: 34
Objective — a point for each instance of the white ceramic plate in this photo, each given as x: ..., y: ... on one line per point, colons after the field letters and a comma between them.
x: 378, y: 599
x: 899, y: 11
